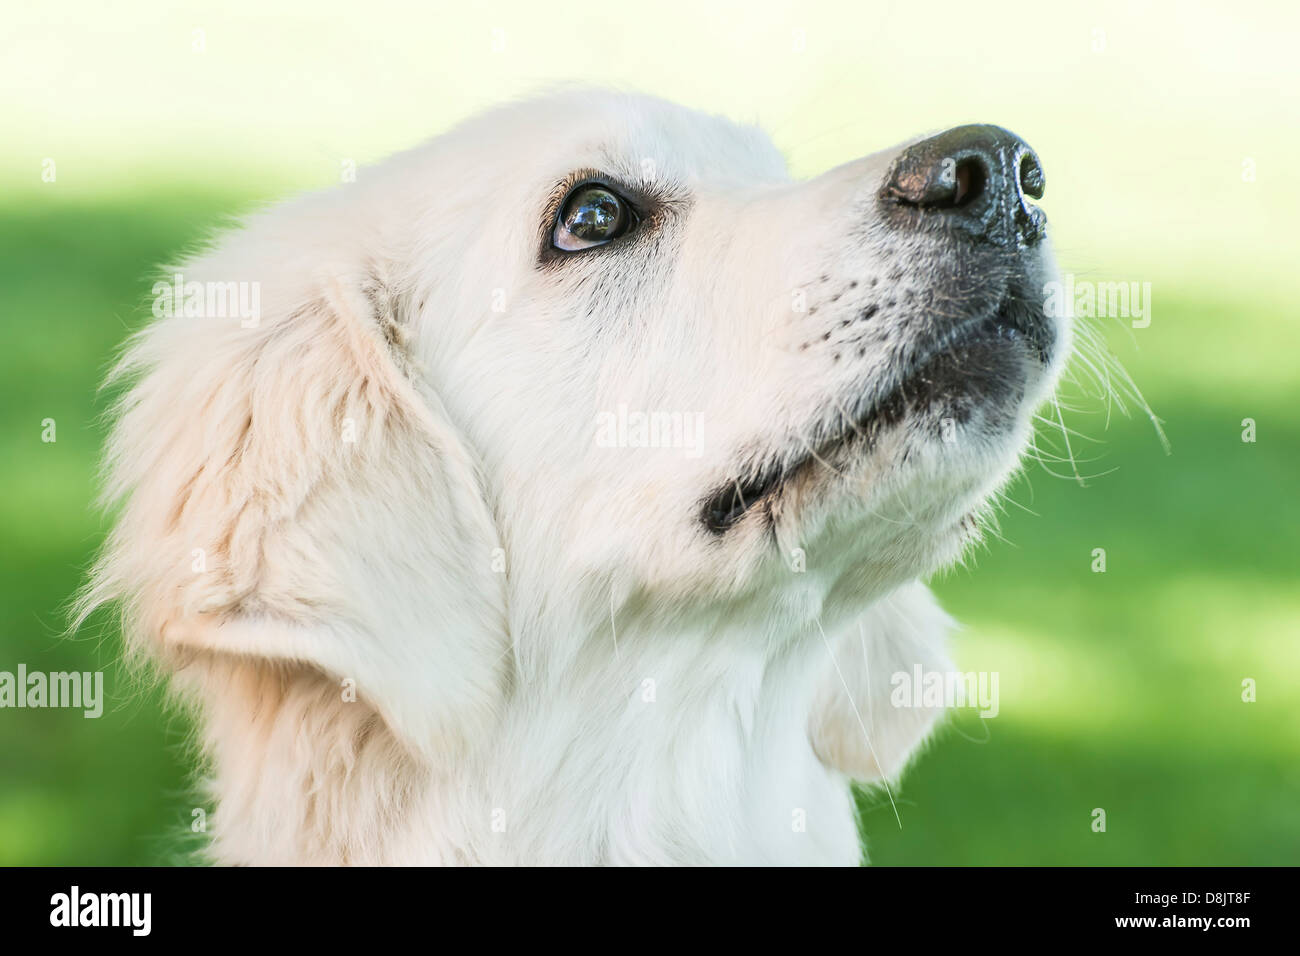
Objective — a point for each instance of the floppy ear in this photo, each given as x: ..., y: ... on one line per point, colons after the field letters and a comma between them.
x: 292, y: 490
x: 855, y: 727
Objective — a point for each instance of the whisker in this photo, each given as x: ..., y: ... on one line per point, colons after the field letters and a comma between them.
x: 856, y: 713
x: 1065, y: 434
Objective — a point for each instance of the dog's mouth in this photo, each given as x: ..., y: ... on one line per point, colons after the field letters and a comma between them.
x: 983, y: 363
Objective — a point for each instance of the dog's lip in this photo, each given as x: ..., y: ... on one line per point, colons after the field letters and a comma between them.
x: 1003, y: 323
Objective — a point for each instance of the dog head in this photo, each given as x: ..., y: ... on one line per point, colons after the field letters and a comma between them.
x: 584, y: 356
x: 681, y: 368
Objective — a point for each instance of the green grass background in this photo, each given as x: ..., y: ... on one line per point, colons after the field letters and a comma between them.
x: 1119, y: 690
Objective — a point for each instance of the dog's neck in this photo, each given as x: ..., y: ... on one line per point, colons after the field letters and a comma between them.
x: 643, y: 754
x: 682, y: 747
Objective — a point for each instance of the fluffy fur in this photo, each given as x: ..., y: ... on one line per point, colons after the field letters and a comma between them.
x: 426, y: 618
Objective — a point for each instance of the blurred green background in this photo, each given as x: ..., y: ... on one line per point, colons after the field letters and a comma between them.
x: 1169, y: 132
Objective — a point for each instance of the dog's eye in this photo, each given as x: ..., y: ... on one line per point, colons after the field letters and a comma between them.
x: 591, y: 215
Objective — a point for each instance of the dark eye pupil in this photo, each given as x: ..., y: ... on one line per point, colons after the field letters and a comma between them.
x: 594, y: 214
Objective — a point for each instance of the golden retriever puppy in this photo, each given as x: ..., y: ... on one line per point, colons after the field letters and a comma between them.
x: 557, y: 493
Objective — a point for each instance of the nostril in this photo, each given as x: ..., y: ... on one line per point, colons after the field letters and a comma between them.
x: 971, y: 177
x: 1032, y: 181
x: 980, y: 180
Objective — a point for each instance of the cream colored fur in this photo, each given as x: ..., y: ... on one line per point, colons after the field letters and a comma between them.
x: 424, y: 619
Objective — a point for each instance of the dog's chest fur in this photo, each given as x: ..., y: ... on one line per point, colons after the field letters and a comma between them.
x: 649, y: 757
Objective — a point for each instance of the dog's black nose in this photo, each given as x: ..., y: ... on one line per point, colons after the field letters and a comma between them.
x: 975, y: 178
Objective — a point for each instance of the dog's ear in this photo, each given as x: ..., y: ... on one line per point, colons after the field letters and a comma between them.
x: 856, y: 727
x: 292, y: 490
